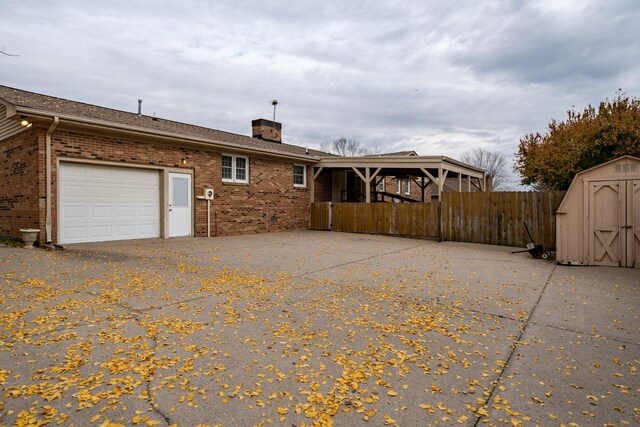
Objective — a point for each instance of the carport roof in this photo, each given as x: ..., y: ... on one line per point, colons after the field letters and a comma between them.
x: 431, y: 168
x: 396, y: 165
x: 37, y: 107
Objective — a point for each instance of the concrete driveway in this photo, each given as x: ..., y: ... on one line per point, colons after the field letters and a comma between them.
x: 307, y: 328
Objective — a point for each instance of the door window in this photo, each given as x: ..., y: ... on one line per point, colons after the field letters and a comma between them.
x: 180, y: 192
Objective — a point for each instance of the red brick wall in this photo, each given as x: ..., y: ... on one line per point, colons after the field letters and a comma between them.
x: 19, y: 189
x: 323, y: 188
x: 269, y: 202
x: 416, y: 192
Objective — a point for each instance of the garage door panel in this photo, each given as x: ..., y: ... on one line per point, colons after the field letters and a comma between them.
x: 66, y: 172
x: 104, y: 173
x: 125, y: 212
x: 101, y: 213
x: 147, y: 229
x: 102, y: 203
x: 148, y: 211
x: 74, y: 213
x: 74, y: 192
x: 126, y: 231
x: 100, y: 193
x: 77, y: 233
x: 146, y: 195
x: 125, y: 194
x: 101, y: 232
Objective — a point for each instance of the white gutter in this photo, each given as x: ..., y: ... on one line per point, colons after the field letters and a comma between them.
x: 47, y: 221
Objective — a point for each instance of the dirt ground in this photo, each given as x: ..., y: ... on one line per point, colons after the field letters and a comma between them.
x: 314, y: 328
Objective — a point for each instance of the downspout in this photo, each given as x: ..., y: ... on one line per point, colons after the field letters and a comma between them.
x: 47, y: 220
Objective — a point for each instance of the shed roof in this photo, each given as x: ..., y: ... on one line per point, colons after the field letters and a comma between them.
x: 576, y: 179
x: 21, y: 102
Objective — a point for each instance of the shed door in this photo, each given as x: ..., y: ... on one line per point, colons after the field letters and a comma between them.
x: 614, y: 223
x: 633, y: 259
x: 606, y: 214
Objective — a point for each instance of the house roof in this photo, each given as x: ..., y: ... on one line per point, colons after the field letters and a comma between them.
x: 73, y: 112
x: 398, y: 153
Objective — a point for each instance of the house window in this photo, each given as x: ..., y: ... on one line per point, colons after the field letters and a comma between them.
x: 398, y: 185
x: 299, y: 176
x: 235, y: 168
x: 407, y: 186
x: 381, y: 185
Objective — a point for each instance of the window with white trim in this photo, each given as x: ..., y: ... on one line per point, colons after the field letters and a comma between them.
x: 235, y: 168
x: 381, y: 185
x: 398, y: 185
x: 299, y: 176
x: 407, y: 186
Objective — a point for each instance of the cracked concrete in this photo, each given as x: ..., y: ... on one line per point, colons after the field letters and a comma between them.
x: 297, y: 328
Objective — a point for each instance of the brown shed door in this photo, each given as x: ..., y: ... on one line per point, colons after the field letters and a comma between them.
x: 614, y: 223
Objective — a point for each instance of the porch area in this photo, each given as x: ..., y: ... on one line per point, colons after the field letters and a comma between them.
x: 392, y: 178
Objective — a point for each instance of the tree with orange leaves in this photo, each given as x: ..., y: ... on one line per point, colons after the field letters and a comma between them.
x: 585, y: 139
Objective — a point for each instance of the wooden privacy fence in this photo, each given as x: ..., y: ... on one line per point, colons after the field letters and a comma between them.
x: 495, y: 218
x: 398, y: 219
x: 498, y: 218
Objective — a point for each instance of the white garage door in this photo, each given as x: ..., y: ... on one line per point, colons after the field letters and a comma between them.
x: 102, y: 203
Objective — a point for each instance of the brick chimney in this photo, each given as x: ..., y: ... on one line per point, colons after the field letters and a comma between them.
x: 267, y: 130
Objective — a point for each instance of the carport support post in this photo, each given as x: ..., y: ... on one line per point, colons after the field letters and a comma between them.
x: 367, y: 186
x: 367, y: 178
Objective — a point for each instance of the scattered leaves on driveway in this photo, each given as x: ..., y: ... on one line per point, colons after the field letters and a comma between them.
x: 118, y: 344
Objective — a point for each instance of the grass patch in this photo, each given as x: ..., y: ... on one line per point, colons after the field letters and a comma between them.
x: 10, y: 241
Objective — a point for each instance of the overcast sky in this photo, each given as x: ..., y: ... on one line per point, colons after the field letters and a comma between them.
x: 438, y: 77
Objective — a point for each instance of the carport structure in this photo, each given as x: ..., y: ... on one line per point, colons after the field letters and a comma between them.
x: 341, y: 174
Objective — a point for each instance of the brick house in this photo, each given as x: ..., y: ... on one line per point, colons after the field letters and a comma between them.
x: 82, y: 173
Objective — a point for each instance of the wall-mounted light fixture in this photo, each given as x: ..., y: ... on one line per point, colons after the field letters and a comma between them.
x: 183, y: 161
x: 24, y: 122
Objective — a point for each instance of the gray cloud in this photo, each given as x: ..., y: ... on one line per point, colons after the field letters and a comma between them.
x: 435, y: 77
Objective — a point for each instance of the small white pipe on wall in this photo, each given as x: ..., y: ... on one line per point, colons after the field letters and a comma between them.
x: 47, y: 220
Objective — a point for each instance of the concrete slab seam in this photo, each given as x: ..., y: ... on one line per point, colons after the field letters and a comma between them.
x: 514, y: 345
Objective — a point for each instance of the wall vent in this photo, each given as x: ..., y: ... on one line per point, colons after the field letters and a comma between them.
x: 626, y: 167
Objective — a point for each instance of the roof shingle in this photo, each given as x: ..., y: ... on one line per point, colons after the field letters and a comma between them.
x: 60, y: 106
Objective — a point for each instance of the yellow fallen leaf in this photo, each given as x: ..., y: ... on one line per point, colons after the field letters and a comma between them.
x: 392, y: 393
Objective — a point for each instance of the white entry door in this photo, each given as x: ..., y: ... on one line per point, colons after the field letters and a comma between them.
x: 179, y: 204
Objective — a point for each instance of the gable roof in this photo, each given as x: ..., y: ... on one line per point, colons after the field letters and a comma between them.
x: 20, y: 102
x: 577, y: 179
x: 399, y: 153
